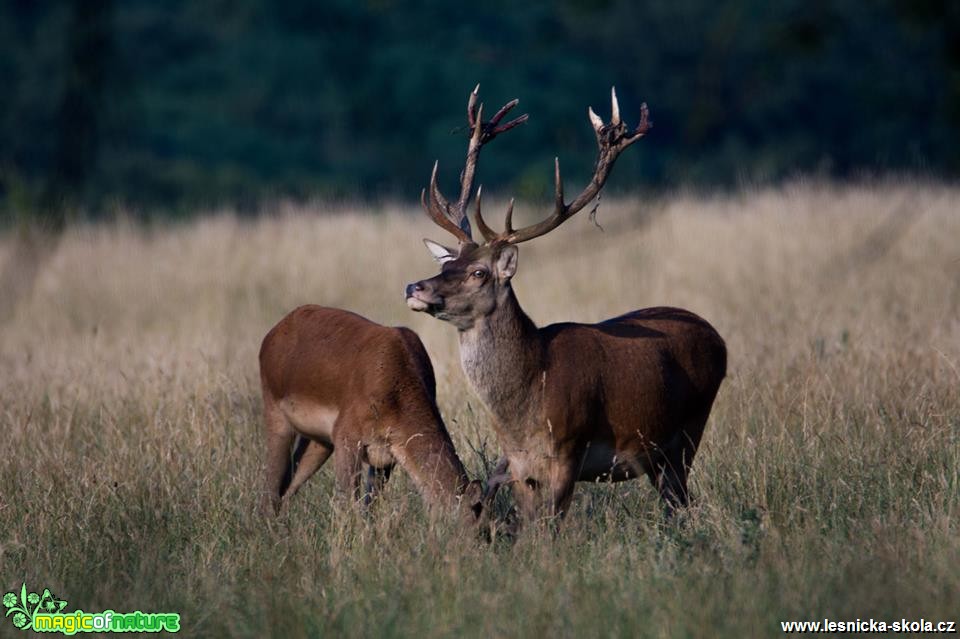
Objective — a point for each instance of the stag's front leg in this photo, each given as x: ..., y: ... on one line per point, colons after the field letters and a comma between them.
x: 562, y: 483
x: 543, y: 492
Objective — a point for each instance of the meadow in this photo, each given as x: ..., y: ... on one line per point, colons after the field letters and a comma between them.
x: 827, y: 485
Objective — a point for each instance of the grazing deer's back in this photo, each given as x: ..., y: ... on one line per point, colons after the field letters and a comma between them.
x: 329, y: 353
x: 415, y: 356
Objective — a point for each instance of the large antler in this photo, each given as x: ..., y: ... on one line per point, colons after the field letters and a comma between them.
x: 452, y: 217
x: 612, y: 139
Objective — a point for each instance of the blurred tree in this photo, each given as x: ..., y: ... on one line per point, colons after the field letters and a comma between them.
x: 78, y: 135
x: 183, y: 104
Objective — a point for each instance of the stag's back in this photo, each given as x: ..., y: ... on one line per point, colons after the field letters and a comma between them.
x: 650, y: 369
x: 678, y: 339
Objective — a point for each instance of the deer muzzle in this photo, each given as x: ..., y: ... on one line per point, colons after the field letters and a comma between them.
x: 420, y: 297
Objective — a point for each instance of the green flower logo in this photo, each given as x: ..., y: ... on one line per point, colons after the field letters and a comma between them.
x: 26, y: 606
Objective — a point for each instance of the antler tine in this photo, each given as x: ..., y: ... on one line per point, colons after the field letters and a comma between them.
x: 497, y: 128
x: 495, y: 120
x: 614, y: 107
x: 488, y: 233
x: 450, y: 216
x: 435, y: 194
x: 508, y: 221
x: 471, y: 103
x: 645, y: 123
x: 482, y: 133
x: 470, y: 165
x: 595, y: 120
x: 612, y: 139
x: 557, y: 184
x: 438, y: 209
x: 477, y: 124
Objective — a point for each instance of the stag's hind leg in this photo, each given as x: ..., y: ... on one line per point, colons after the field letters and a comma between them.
x: 668, y: 476
x: 670, y: 479
x: 669, y: 467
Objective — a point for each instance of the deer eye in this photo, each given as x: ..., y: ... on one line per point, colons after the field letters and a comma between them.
x: 479, y: 274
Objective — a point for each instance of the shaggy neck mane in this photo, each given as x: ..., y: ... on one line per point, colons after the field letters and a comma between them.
x: 502, y: 357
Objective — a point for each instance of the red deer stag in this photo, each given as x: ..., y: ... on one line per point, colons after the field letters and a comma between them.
x: 345, y: 384
x: 571, y: 402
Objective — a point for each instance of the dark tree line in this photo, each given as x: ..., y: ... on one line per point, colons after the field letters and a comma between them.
x: 170, y: 105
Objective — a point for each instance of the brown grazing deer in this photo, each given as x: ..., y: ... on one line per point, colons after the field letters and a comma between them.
x: 571, y: 402
x: 367, y: 392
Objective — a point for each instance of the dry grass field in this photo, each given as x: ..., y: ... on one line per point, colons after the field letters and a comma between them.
x: 828, y: 484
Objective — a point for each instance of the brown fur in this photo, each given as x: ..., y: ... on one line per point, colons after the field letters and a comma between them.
x: 366, y: 392
x: 578, y: 402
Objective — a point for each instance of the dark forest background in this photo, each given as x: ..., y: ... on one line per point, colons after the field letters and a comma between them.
x: 169, y: 106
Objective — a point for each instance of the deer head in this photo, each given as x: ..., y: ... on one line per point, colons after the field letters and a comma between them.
x: 475, y: 277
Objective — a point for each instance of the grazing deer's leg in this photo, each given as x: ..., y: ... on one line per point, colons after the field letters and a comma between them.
x: 429, y: 458
x: 348, y: 464
x: 313, y: 456
x: 277, y: 463
x: 377, y: 478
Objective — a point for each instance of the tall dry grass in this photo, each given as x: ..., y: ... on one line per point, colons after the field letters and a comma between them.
x: 828, y: 483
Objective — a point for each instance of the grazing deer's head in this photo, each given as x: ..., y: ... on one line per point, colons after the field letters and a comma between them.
x: 475, y: 278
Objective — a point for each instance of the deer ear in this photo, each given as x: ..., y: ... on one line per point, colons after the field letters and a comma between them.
x: 440, y: 252
x: 507, y: 262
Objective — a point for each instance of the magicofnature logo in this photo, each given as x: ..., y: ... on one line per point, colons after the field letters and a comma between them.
x: 44, y: 613
x: 24, y: 607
